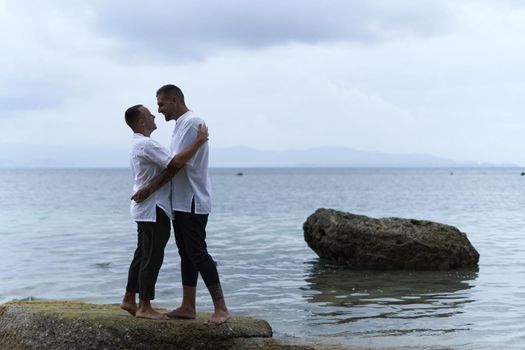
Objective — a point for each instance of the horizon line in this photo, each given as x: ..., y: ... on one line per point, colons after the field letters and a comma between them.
x: 512, y: 166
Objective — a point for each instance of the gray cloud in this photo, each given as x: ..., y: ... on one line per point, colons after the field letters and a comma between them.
x: 32, y: 94
x: 15, y: 103
x: 196, y: 29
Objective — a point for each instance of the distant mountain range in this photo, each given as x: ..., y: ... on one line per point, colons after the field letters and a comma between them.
x: 37, y: 156
x: 331, y: 157
x: 17, y: 156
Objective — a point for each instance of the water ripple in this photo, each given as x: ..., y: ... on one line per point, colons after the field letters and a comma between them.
x: 77, y: 250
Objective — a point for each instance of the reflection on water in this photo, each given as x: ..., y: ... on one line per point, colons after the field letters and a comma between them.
x: 346, y: 302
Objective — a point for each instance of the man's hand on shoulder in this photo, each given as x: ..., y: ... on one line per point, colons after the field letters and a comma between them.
x: 202, y: 133
x: 141, y: 195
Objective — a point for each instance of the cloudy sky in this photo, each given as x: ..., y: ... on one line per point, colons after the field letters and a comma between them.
x: 441, y: 77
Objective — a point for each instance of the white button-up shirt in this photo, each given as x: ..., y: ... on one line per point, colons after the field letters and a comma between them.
x: 192, y: 181
x: 148, y: 158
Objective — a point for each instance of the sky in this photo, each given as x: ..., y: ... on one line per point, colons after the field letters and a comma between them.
x: 442, y: 77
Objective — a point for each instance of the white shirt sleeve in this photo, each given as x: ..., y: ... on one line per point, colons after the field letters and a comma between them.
x: 189, y: 135
x: 157, y: 153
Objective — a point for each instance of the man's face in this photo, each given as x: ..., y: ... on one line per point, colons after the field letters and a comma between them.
x: 149, y: 119
x: 166, y: 106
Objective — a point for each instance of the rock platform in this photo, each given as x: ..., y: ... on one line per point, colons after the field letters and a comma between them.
x: 71, y: 325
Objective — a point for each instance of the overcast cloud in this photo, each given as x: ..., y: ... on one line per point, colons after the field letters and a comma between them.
x: 200, y: 28
x: 438, y: 77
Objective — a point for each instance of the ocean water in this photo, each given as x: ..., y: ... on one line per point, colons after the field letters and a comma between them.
x: 67, y: 234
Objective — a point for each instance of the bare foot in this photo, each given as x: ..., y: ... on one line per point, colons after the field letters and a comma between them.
x: 218, y: 317
x: 181, y: 312
x: 129, y: 307
x: 151, y: 314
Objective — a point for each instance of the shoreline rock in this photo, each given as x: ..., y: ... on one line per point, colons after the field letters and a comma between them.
x: 70, y: 325
x: 362, y: 242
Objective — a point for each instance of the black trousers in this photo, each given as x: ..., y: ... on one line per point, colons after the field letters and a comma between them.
x: 190, y: 236
x: 152, y: 238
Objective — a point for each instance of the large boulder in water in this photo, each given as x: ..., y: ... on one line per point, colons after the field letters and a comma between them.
x: 362, y: 242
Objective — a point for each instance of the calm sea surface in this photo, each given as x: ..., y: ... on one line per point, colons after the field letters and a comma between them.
x: 67, y: 234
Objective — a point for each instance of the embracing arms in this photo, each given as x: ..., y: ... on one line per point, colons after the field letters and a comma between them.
x: 176, y: 163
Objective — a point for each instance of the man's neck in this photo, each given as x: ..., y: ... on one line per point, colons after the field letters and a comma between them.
x: 145, y: 133
x: 181, y: 112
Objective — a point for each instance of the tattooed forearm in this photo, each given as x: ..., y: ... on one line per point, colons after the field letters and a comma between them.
x: 216, y: 292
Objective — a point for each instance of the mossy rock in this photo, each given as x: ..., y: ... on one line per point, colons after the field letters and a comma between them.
x: 362, y: 242
x: 72, y: 325
x: 76, y: 325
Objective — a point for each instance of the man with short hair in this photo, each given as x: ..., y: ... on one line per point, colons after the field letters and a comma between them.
x: 191, y: 204
x: 147, y: 159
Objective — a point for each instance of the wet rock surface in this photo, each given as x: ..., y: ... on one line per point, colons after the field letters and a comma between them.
x: 76, y: 325
x: 61, y: 325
